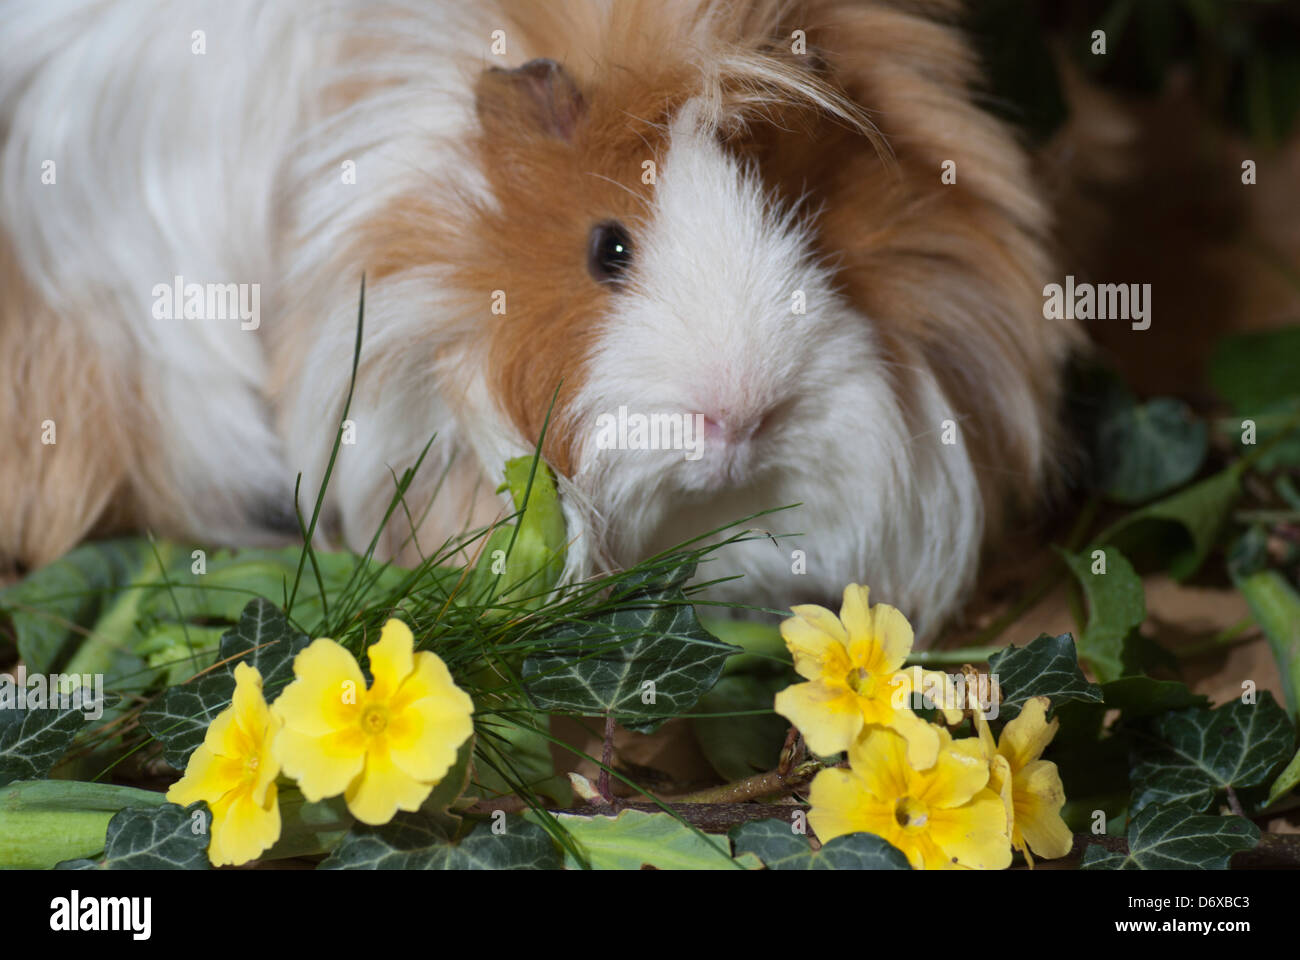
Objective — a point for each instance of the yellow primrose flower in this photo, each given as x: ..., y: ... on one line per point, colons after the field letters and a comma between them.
x: 234, y: 771
x: 941, y: 818
x: 385, y: 748
x: 1030, y: 788
x: 854, y: 665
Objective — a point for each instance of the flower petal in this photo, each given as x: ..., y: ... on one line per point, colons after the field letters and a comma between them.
x: 960, y: 772
x: 391, y: 659
x: 922, y: 739
x: 424, y: 735
x: 242, y: 829
x: 323, y: 766
x: 1039, y: 796
x: 841, y: 806
x: 207, y: 777
x: 893, y: 634
x: 325, y: 695
x: 973, y: 834
x: 1026, y: 737
x: 813, y: 648
x: 828, y: 719
x: 879, y: 758
x: 383, y: 788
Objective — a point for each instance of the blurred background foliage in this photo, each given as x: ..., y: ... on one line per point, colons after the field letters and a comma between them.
x: 1243, y: 56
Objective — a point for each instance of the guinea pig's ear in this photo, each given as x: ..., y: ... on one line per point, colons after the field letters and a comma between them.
x: 539, y: 97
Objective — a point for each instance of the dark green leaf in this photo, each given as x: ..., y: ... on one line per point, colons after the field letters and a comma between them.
x: 1142, y: 696
x: 1193, y: 517
x: 773, y: 842
x: 1116, y: 606
x: 1255, y: 371
x: 161, y: 838
x: 32, y: 741
x: 1048, y: 667
x: 739, y: 747
x: 1176, y: 837
x: 1144, y: 451
x: 646, y: 661
x: 263, y: 639
x: 1192, y: 756
x: 411, y: 841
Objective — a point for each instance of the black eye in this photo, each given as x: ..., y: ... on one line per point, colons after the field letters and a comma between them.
x: 610, y: 251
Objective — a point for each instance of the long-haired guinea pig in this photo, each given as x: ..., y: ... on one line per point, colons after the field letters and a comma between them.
x: 784, y: 229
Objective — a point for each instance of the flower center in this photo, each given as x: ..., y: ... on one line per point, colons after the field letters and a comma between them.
x: 251, y: 763
x: 911, y: 813
x: 860, y: 681
x: 374, y: 719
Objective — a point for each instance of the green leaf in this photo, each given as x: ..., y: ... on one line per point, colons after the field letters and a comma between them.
x: 1143, y: 697
x: 1286, y: 781
x: 52, y: 608
x: 1195, y: 755
x: 773, y: 842
x: 179, y: 717
x: 1048, y: 667
x: 739, y: 747
x: 161, y: 838
x: 650, y: 648
x: 32, y: 741
x: 525, y: 559
x: 1255, y: 371
x: 412, y: 841
x: 635, y: 839
x: 1149, y: 449
x: 1184, y: 526
x: 1116, y: 606
x: 45, y: 821
x: 1176, y: 837
x: 1276, y: 607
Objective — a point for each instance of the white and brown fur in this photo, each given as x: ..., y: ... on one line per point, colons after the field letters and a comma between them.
x: 776, y: 171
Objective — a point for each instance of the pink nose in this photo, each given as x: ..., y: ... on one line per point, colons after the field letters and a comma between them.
x: 725, y: 427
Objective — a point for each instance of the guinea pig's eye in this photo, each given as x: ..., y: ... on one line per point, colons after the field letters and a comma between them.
x: 610, y: 251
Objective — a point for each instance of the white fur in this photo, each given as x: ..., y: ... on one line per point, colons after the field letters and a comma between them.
x: 226, y: 168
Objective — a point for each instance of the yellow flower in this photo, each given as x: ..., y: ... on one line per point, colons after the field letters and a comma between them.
x: 385, y: 748
x: 941, y: 818
x: 1030, y: 788
x: 234, y: 771
x: 854, y: 663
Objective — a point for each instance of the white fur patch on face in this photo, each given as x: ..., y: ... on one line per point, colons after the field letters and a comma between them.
x: 728, y: 324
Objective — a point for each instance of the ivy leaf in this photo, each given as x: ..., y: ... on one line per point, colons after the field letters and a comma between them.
x: 1048, y: 667
x: 412, y: 841
x: 1194, y: 755
x: 1148, y: 449
x: 1141, y: 696
x: 636, y: 839
x: 162, y: 838
x: 1182, y: 528
x: 741, y: 746
x: 263, y: 639
x: 1176, y: 837
x: 1116, y: 605
x: 652, y: 641
x: 32, y: 741
x: 773, y: 842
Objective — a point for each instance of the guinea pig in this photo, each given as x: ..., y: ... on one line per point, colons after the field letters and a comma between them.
x: 781, y: 233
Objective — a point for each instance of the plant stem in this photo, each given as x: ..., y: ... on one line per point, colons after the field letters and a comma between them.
x: 760, y: 785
